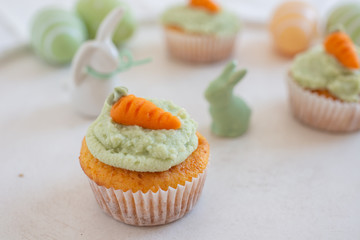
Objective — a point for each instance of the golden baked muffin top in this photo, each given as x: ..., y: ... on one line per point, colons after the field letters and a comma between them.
x: 118, y: 178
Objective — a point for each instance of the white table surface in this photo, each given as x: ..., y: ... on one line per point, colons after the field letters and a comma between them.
x: 281, y: 180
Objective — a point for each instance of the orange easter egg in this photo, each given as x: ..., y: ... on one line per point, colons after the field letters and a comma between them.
x: 293, y: 27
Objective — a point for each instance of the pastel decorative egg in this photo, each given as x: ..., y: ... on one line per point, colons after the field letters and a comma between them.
x: 293, y: 27
x: 347, y: 18
x: 56, y: 35
x: 94, y: 11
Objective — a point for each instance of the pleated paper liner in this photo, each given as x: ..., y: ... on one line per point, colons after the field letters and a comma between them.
x: 149, y: 209
x: 323, y: 113
x: 197, y: 47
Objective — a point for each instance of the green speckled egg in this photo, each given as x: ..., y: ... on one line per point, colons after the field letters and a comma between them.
x: 346, y: 16
x: 94, y: 11
x: 56, y: 35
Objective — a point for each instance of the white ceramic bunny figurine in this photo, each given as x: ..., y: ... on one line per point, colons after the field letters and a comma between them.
x: 92, y: 67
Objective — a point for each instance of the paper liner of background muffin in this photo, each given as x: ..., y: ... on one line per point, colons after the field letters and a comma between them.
x: 321, y: 112
x: 149, y: 209
x: 197, y: 47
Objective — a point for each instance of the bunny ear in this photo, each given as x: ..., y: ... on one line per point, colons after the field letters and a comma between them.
x: 229, y: 69
x: 236, y: 77
x: 109, y: 24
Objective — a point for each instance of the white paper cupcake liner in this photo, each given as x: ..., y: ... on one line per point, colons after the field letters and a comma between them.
x: 198, y: 48
x: 323, y: 113
x: 149, y: 209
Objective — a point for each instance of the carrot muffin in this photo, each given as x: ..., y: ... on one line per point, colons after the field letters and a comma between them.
x: 145, y: 161
x: 200, y: 31
x: 324, y: 85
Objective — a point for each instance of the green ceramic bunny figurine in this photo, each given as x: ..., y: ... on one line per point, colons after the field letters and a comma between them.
x: 230, y: 114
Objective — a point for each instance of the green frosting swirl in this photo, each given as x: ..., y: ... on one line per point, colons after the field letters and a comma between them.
x: 139, y: 149
x: 199, y: 20
x: 316, y: 69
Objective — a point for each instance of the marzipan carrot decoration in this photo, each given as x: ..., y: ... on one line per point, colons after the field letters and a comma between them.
x: 208, y: 4
x: 340, y: 45
x: 131, y: 110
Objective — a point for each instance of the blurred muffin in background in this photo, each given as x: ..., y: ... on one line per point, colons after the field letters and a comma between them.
x: 324, y: 85
x: 200, y: 31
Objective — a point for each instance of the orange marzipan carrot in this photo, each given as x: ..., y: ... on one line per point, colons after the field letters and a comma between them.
x: 132, y: 110
x: 340, y: 45
x: 208, y: 4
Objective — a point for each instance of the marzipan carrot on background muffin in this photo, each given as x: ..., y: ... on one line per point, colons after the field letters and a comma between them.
x: 145, y: 161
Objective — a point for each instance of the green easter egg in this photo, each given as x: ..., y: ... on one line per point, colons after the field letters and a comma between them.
x: 56, y: 35
x: 94, y: 11
x: 346, y: 17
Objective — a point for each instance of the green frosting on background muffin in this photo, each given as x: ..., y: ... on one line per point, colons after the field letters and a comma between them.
x: 316, y: 69
x: 199, y: 20
x: 139, y: 149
